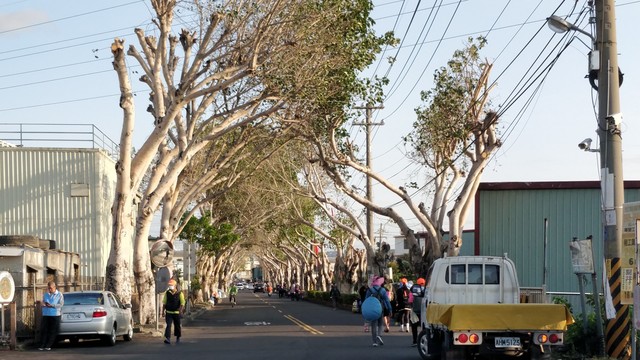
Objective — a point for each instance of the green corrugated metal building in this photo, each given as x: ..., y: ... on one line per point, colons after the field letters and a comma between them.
x: 510, y: 218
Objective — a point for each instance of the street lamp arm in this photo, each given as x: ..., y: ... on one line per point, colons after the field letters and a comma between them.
x: 560, y: 25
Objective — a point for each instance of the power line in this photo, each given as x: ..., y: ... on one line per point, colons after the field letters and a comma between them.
x: 65, y: 101
x: 68, y: 17
x: 430, y: 59
x: 52, y: 68
x: 67, y: 40
x: 57, y: 79
x: 404, y: 73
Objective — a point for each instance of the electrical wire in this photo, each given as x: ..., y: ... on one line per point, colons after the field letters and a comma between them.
x: 57, y: 79
x: 395, y: 25
x: 429, y: 61
x: 52, y: 68
x: 394, y: 86
x: 69, y: 17
x: 66, y: 101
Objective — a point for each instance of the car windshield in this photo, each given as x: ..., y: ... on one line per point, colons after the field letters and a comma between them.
x: 83, y: 299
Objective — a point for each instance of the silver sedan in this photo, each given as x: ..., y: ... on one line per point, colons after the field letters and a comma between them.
x: 95, y: 314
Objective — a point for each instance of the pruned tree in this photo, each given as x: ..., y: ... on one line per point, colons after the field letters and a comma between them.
x: 245, y: 63
x: 453, y: 137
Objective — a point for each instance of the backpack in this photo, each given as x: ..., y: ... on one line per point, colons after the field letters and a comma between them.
x: 417, y: 295
x: 406, y: 294
x: 372, y: 306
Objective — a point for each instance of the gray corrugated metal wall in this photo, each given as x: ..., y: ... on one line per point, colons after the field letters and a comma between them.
x: 35, y: 188
x: 512, y: 221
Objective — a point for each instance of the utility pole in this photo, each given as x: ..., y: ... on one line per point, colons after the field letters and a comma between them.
x: 367, y: 126
x: 612, y: 182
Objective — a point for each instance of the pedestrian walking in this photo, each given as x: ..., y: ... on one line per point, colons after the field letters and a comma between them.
x: 334, y: 294
x: 172, y: 307
x: 378, y: 292
x: 52, y: 302
x: 233, y: 291
x: 403, y: 296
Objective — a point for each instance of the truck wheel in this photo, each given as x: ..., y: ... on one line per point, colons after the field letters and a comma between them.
x: 429, y: 346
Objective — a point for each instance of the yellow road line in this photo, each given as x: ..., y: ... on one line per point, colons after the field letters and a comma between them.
x: 303, y: 325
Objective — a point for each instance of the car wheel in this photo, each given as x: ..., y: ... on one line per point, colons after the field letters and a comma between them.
x: 110, y: 339
x: 129, y: 335
x: 427, y: 346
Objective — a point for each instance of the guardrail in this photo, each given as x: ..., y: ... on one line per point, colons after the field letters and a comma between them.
x: 57, y: 135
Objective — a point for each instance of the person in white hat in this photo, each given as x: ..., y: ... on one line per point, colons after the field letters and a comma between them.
x: 172, y: 306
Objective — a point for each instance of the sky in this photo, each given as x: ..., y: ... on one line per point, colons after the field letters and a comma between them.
x: 55, y: 68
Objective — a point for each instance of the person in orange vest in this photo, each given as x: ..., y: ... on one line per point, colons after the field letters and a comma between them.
x: 172, y: 308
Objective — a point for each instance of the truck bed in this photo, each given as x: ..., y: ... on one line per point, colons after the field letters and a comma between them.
x: 500, y: 317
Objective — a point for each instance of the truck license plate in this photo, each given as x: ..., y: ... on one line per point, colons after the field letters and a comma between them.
x: 504, y: 342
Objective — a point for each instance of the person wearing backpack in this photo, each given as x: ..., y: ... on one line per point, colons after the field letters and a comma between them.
x: 377, y: 291
x: 418, y: 292
x: 403, y: 296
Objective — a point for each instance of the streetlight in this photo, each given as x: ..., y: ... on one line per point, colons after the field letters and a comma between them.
x: 561, y: 26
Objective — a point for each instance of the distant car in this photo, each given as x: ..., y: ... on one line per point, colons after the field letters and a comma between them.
x: 240, y: 285
x: 249, y: 286
x: 95, y: 314
x: 258, y: 287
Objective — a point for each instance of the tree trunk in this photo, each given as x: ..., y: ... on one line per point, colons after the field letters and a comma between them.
x: 118, y: 271
x: 145, y: 282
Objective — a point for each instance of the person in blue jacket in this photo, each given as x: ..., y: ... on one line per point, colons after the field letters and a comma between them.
x: 52, y: 302
x: 380, y: 292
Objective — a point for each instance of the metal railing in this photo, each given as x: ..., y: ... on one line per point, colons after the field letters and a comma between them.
x: 57, y: 135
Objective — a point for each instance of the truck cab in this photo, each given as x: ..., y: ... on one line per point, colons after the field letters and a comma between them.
x: 473, y: 280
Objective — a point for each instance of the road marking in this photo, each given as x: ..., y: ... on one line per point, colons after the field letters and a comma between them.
x: 303, y: 325
x: 256, y: 323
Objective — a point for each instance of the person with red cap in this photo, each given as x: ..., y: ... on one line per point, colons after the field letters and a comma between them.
x: 418, y: 292
x: 172, y: 306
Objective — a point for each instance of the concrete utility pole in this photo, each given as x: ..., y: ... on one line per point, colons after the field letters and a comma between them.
x: 612, y: 182
x: 367, y: 125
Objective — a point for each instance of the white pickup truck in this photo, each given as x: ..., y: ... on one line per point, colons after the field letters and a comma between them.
x: 472, y: 308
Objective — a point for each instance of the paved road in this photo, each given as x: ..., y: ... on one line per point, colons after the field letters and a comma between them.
x: 259, y: 327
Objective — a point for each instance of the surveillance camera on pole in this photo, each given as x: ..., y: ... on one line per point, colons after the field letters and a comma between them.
x: 585, y: 145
